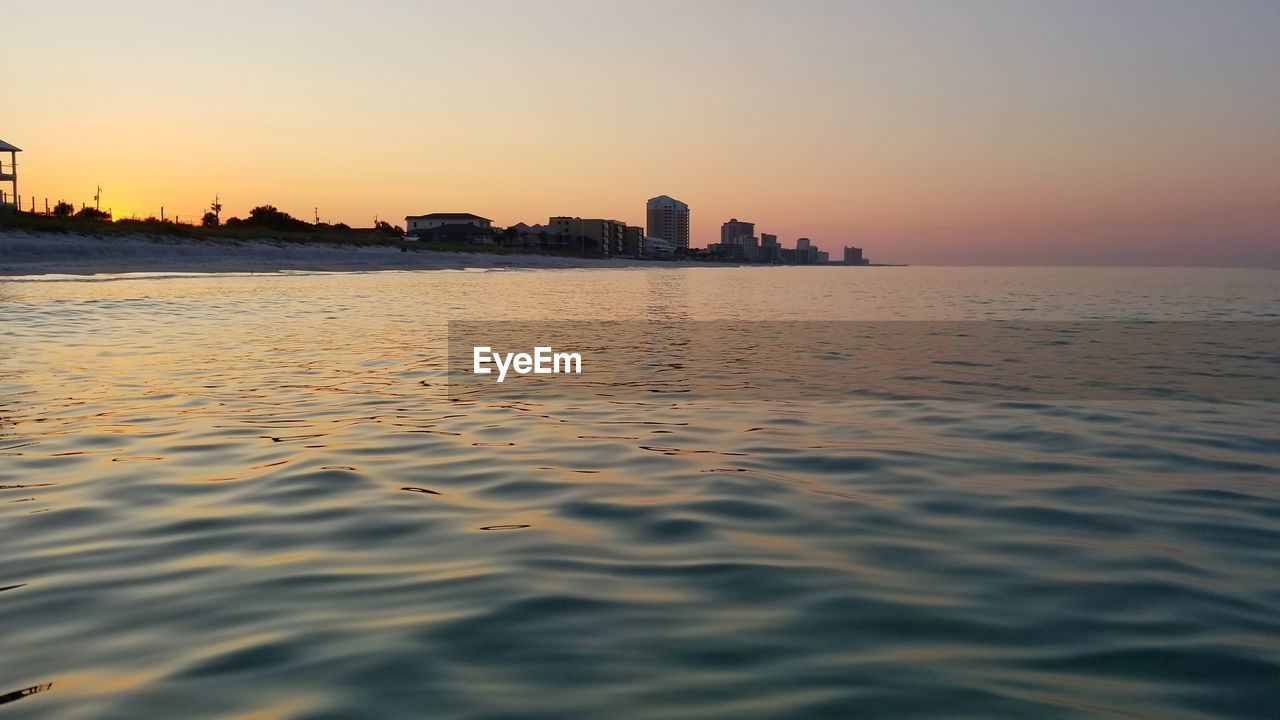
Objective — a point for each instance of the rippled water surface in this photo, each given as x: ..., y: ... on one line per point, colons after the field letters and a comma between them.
x: 250, y: 496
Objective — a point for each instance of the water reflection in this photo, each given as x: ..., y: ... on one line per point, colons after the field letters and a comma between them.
x: 667, y: 297
x: 361, y: 554
x: 24, y: 692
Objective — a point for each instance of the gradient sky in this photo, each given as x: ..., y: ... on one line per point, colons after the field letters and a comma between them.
x: 945, y: 132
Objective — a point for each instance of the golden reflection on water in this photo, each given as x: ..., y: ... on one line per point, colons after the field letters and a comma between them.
x: 261, y: 483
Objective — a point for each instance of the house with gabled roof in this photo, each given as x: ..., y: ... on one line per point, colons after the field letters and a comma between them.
x: 431, y: 221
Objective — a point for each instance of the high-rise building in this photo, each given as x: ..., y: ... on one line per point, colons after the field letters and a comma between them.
x: 770, y: 250
x: 735, y: 232
x: 852, y: 256
x: 668, y: 218
x: 802, y: 244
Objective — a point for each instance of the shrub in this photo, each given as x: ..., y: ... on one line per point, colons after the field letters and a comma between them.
x: 88, y: 213
x: 267, y: 216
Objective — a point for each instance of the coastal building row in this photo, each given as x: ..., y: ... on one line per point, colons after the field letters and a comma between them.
x: 739, y: 243
x: 666, y: 234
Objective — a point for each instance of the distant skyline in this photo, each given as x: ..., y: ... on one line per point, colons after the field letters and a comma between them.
x: 931, y: 132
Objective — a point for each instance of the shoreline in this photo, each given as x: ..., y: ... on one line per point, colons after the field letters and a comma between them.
x: 28, y: 254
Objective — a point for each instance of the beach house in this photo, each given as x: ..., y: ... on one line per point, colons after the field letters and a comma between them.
x: 450, y: 227
x: 435, y: 220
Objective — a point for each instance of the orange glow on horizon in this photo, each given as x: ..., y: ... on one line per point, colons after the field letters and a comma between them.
x: 1000, y: 134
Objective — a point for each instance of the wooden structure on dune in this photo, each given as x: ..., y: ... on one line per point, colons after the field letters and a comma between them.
x: 9, y: 174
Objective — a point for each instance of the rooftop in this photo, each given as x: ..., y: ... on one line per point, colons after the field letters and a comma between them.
x: 447, y: 216
x: 6, y: 147
x: 665, y: 199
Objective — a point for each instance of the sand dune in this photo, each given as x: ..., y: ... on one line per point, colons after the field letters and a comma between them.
x: 24, y: 253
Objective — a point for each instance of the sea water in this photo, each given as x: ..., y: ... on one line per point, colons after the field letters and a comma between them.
x: 253, y: 495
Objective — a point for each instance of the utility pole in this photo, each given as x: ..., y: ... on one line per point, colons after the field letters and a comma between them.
x: 316, y: 210
x: 216, y: 207
x: 97, y: 199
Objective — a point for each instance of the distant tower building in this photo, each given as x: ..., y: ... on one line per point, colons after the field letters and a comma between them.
x: 668, y: 218
x: 853, y: 256
x: 806, y: 252
x: 770, y: 251
x: 735, y: 232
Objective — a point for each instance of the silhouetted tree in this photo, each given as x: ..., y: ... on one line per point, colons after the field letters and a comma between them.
x: 210, y: 219
x: 63, y: 209
x: 267, y: 216
x: 89, y: 213
x: 387, y: 228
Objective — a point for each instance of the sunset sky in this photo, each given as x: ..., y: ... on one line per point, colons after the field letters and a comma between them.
x: 947, y: 132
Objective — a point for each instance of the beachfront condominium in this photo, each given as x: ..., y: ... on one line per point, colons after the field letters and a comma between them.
x: 770, y: 250
x: 806, y: 253
x: 633, y: 241
x: 738, y: 240
x: 736, y: 231
x: 595, y: 235
x: 668, y: 218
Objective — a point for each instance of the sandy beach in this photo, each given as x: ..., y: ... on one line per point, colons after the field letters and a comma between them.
x: 23, y: 253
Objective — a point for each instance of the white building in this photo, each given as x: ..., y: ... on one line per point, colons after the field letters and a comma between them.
x: 435, y: 220
x: 658, y: 247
